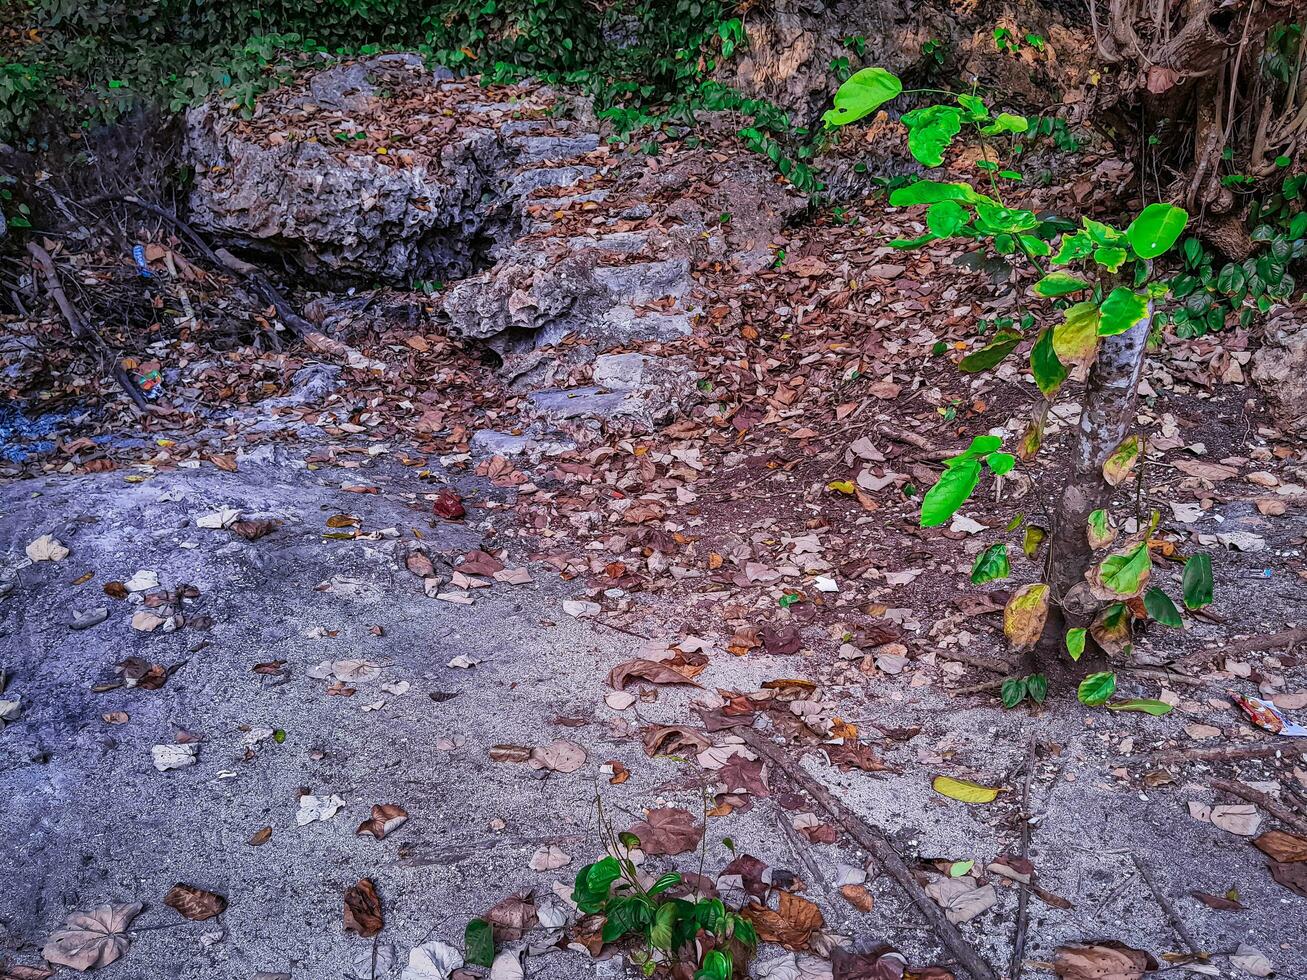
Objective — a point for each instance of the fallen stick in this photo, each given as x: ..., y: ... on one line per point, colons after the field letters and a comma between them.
x: 983, y: 686
x: 1251, y: 644
x: 1233, y: 753
x: 1017, y: 963
x: 1176, y: 922
x: 984, y: 663
x: 875, y: 842
x: 79, y: 327
x: 1245, y: 792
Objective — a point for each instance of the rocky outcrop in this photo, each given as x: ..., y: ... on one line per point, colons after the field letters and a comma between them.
x: 1280, y: 367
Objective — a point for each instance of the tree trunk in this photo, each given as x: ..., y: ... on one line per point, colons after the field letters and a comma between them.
x: 1107, y: 414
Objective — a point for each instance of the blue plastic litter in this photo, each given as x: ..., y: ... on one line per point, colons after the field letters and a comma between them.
x: 138, y: 253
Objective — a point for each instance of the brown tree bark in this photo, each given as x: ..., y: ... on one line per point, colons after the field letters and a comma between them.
x: 1107, y: 414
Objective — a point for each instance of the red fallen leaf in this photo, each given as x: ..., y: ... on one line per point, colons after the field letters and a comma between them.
x: 822, y: 833
x: 667, y: 830
x: 512, y: 918
x: 672, y: 740
x: 1281, y: 846
x: 479, y: 563
x: 1292, y: 876
x: 1219, y: 902
x: 858, y: 897
x: 1105, y: 960
x: 419, y: 564
x: 195, y: 903
x: 16, y: 971
x: 270, y: 667
x: 448, y: 505
x: 363, y: 909
x: 880, y: 963
x: 743, y: 775
x: 750, y: 870
x: 781, y: 640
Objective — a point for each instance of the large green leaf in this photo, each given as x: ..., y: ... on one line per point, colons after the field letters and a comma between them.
x: 994, y: 218
x: 1110, y: 258
x: 1044, y: 365
x: 664, y: 919
x: 1013, y: 691
x: 991, y: 565
x: 955, y: 485
x: 930, y: 191
x: 862, y: 93
x: 1197, y: 580
x: 1122, y: 309
x: 1075, y: 641
x: 1158, y: 227
x: 930, y: 131
x: 945, y: 218
x: 1059, y: 284
x: 1003, y: 343
x: 1096, y: 688
x: 479, y: 943
x: 1073, y: 248
x: 1146, y: 705
x: 1126, y: 572
x: 1161, y: 608
x: 625, y: 915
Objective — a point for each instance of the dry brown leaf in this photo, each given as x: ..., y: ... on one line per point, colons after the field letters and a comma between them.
x: 260, y: 837
x: 363, y: 909
x: 858, y: 897
x: 88, y: 940
x: 253, y: 530
x: 194, y: 903
x: 512, y: 918
x: 792, y: 925
x: 1281, y: 846
x: 672, y: 740
x: 1101, y: 961
x: 558, y: 756
x: 668, y: 830
x: 646, y: 670
x: 385, y: 818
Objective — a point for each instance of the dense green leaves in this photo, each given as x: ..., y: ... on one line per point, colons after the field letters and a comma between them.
x: 1158, y: 227
x: 1122, y: 309
x: 991, y: 565
x: 862, y: 94
x: 1197, y: 581
x: 593, y: 883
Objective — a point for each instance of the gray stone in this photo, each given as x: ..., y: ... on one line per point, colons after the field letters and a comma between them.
x: 644, y: 282
x: 1280, y: 368
x: 530, y: 181
x: 538, y: 148
x: 309, y: 385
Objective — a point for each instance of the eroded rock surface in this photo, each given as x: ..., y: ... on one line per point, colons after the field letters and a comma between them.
x: 1280, y: 367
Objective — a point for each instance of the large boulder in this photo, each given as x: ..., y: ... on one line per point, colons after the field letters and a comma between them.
x: 1280, y: 367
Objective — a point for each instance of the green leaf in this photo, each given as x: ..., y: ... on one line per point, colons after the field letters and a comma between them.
x: 660, y: 936
x: 1037, y: 686
x: 1125, y: 573
x: 1147, y: 705
x: 717, y: 965
x: 945, y: 218
x: 1122, y: 460
x: 1006, y: 122
x: 669, y: 879
x: 1122, y: 309
x: 1000, y: 464
x: 1096, y: 688
x: 479, y: 943
x: 862, y: 93
x: 991, y: 565
x: 911, y: 242
x: 1059, y: 284
x: 1073, y: 248
x: 1158, y: 227
x: 1110, y: 258
x: 1032, y: 539
x: 930, y: 131
x: 1161, y: 608
x: 955, y: 485
x: 1197, y: 581
x: 1075, y: 641
x: 1044, y: 365
x: 958, y: 868
x: 930, y: 191
x: 995, y: 218
x: 1013, y: 691
x: 981, y: 446
x: 975, y: 107
x: 593, y: 883
x: 1003, y: 344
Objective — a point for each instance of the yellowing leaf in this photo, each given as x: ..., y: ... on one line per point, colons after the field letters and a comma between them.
x: 842, y: 486
x: 1023, y: 619
x: 1075, y: 339
x: 964, y: 791
x: 1118, y: 465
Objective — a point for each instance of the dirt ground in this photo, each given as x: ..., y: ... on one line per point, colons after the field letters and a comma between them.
x: 747, y: 543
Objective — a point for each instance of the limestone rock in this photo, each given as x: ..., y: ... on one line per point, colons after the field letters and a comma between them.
x: 1280, y: 368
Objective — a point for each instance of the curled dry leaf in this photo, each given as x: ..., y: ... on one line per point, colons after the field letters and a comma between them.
x: 47, y: 548
x: 253, y: 530
x: 260, y: 837
x: 91, y: 939
x: 667, y: 830
x: 1281, y: 846
x: 512, y: 918
x: 672, y: 740
x: 858, y: 897
x: 363, y: 909
x: 549, y: 858
x: 645, y: 670
x: 420, y: 565
x: 194, y: 903
x: 1101, y: 961
x: 385, y: 818
x: 1023, y: 619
